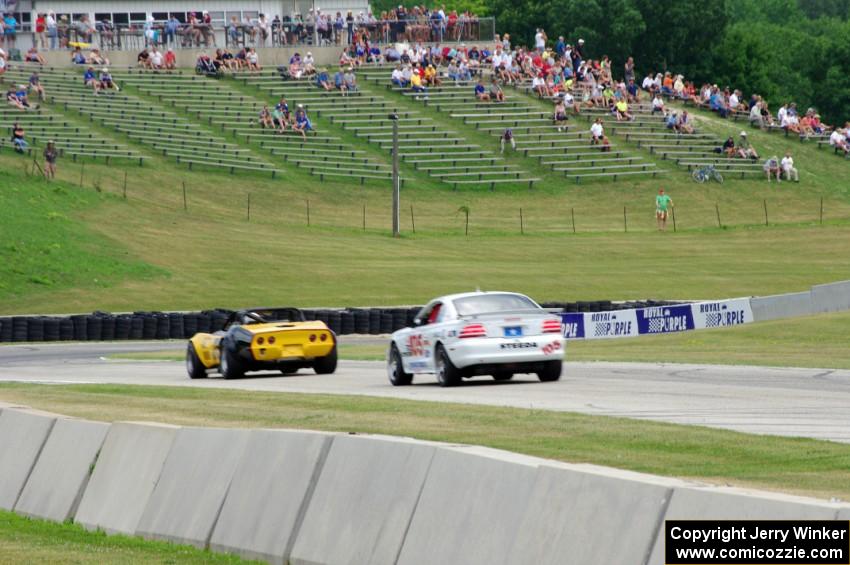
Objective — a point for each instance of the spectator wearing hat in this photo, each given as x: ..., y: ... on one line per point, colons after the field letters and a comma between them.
x: 772, y: 169
x: 745, y: 150
x: 50, y: 156
x: 170, y: 60
x: 19, y: 138
x: 106, y: 81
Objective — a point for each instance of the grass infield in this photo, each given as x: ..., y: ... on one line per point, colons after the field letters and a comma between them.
x: 23, y: 540
x: 805, y: 466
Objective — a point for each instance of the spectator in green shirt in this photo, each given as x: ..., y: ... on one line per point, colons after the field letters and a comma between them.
x: 662, y: 203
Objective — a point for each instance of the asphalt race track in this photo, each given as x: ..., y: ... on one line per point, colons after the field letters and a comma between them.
x: 781, y: 401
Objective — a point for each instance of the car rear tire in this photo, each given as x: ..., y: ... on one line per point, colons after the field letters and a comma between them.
x: 230, y: 366
x: 194, y: 366
x: 447, y: 373
x: 503, y: 376
x: 395, y: 369
x: 326, y: 365
x: 551, y: 371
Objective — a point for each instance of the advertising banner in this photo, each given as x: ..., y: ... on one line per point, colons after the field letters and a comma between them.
x: 656, y: 319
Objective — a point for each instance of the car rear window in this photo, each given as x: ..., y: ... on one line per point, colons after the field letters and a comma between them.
x: 490, y: 303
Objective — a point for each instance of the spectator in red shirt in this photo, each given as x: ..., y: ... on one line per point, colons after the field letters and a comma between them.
x: 170, y: 62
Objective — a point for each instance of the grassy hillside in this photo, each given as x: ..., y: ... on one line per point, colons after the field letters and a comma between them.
x: 67, y: 247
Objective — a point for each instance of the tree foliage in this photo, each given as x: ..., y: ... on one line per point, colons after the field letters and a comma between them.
x: 782, y: 49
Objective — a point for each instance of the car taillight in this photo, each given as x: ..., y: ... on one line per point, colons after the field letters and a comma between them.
x: 323, y: 337
x: 260, y: 340
x: 312, y: 337
x: 472, y: 330
x: 551, y: 326
x: 271, y: 339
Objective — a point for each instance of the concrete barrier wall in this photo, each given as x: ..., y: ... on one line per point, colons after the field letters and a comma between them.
x: 363, y: 502
x: 60, y: 475
x: 126, y: 473
x: 708, y: 503
x: 567, y: 506
x: 469, y: 508
x: 833, y: 297
x: 336, y: 499
x: 766, y: 308
x: 187, y: 499
x: 268, y: 496
x: 22, y: 436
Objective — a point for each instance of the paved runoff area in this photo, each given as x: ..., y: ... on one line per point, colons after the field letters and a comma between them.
x: 780, y: 401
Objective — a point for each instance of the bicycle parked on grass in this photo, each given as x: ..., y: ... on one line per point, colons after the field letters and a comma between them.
x: 705, y: 173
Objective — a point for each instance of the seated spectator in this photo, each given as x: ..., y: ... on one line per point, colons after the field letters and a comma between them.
x: 667, y: 84
x: 416, y: 83
x: 507, y: 137
x: 817, y: 126
x: 622, y: 111
x: 838, y: 140
x: 106, y: 81
x: 633, y: 92
x: 672, y: 121
x: 481, y: 92
x: 398, y: 77
x: 2, y: 62
x: 33, y: 56
x: 302, y: 123
x: 323, y: 80
x: 13, y: 100
x: 295, y: 68
x: 596, y: 132
x: 432, y: 77
x: 280, y: 119
x: 745, y: 150
x: 350, y: 80
x: 309, y: 64
x: 339, y: 81
x: 496, y: 93
x: 77, y: 57
x: 253, y: 60
x: 685, y: 124
x: 658, y: 105
x: 35, y: 85
x: 143, y: 59
x: 755, y: 115
x: 538, y: 86
x: 155, y: 59
x: 18, y: 138
x: 266, y: 120
x: 90, y: 80
x: 96, y: 58
x: 728, y: 147
x: 559, y: 116
x: 205, y: 65
x: 570, y: 102
x: 787, y: 165
x: 806, y: 129
x: 790, y: 123
x: 772, y: 168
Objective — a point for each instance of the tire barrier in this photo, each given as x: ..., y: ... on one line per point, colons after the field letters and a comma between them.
x: 142, y: 325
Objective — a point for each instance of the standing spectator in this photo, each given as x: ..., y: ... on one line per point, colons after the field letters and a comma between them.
x: 507, y: 137
x: 10, y: 30
x: 50, y: 156
x: 629, y: 69
x: 540, y: 40
x: 662, y: 203
x: 788, y: 167
x: 40, y: 29
x: 264, y: 29
x: 52, y: 30
x: 772, y: 168
x: 172, y: 26
x: 2, y: 62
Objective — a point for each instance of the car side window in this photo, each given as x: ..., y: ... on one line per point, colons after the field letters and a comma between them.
x: 436, y: 314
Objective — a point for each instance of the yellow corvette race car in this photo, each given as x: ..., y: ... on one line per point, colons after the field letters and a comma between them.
x: 260, y: 339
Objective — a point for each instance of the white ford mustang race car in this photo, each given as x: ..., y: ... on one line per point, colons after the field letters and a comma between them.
x: 478, y: 333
